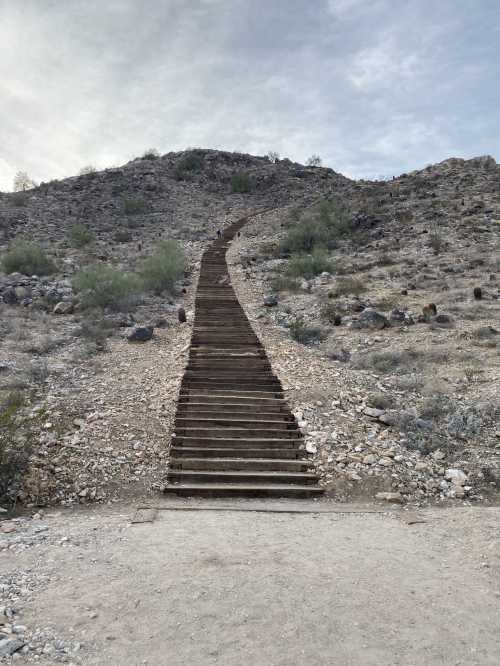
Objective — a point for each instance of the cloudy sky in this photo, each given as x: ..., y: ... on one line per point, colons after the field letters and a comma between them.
x: 375, y: 87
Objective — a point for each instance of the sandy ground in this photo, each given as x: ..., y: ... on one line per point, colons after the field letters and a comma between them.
x: 341, y: 586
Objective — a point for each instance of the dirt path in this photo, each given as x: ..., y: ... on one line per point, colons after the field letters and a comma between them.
x: 222, y: 587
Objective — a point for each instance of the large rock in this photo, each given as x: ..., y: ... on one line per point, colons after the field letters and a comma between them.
x: 372, y: 319
x: 64, y: 308
x: 270, y: 301
x: 9, y: 296
x: 140, y: 334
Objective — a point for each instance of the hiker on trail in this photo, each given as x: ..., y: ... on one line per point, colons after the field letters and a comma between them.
x: 218, y: 233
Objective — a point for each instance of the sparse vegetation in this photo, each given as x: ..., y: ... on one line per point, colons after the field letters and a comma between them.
x: 79, y: 236
x: 151, y: 154
x: 123, y: 236
x: 306, y: 334
x: 163, y: 268
x: 283, y: 283
x: 273, y: 156
x: 87, y: 170
x: 348, y: 286
x: 102, y: 286
x: 314, y: 161
x: 436, y: 242
x: 27, y: 258
x: 23, y: 182
x: 309, y: 265
x: 320, y: 227
x: 189, y: 164
x: 241, y: 183
x: 134, y: 206
x: 14, y: 442
x: 95, y: 331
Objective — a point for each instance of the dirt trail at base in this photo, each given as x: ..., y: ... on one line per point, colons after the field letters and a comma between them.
x: 203, y: 587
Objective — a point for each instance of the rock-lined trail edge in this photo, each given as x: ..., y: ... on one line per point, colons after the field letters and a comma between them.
x: 234, y: 432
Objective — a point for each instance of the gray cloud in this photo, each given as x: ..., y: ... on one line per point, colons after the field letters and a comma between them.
x: 373, y: 86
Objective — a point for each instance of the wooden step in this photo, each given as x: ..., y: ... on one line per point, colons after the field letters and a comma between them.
x: 248, y: 442
x: 233, y: 452
x: 244, y: 490
x: 211, y: 476
x: 182, y: 422
x: 240, y: 464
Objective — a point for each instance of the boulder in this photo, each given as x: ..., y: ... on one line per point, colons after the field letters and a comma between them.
x: 270, y: 301
x: 140, y: 334
x: 9, y: 296
x: 442, y: 321
x: 372, y: 319
x: 64, y: 308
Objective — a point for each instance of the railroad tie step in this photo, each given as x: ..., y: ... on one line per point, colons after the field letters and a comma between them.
x: 234, y: 434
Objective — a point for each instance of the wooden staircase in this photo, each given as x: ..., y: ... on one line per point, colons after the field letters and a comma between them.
x: 234, y: 432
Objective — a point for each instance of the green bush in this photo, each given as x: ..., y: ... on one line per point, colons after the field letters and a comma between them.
x: 241, y: 183
x: 309, y: 265
x: 305, y: 334
x: 322, y: 226
x: 163, y: 268
x: 79, y: 235
x: 28, y: 258
x: 102, y: 286
x: 123, y: 236
x: 133, y: 206
x: 348, y: 286
x: 284, y: 283
x: 189, y: 164
x: 151, y: 154
x: 15, y: 443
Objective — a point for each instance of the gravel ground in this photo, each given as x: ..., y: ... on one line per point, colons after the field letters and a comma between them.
x: 220, y: 587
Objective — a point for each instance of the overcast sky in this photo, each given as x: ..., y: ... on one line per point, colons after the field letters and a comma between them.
x: 375, y: 87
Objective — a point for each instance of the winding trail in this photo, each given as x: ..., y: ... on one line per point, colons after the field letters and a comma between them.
x: 234, y: 432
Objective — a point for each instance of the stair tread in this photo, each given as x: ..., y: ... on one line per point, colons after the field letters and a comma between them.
x: 242, y: 473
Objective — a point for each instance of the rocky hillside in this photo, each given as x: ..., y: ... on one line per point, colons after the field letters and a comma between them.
x: 391, y: 303
x: 389, y: 338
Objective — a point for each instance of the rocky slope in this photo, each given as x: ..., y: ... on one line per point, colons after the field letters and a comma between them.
x: 390, y: 404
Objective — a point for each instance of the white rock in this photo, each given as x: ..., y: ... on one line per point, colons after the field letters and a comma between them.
x: 311, y: 447
x: 457, y: 476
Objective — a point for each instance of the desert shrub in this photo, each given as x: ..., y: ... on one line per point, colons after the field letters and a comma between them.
x: 189, y: 164
x: 14, y: 443
x: 283, y: 283
x: 406, y: 361
x: 314, y: 161
x: 273, y: 156
x: 79, y: 235
x: 309, y: 265
x: 133, y: 206
x: 19, y: 199
x: 329, y: 312
x: 151, y: 154
x: 163, y: 268
x: 348, y: 286
x: 101, y: 286
x: 306, y: 334
x: 123, y: 236
x: 28, y: 258
x: 241, y: 183
x: 321, y: 226
x: 435, y: 406
x: 436, y: 242
x: 95, y: 331
x: 87, y: 170
x: 380, y: 400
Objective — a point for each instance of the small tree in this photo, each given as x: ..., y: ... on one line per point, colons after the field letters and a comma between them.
x: 163, y: 268
x: 23, y: 182
x: 273, y: 156
x: 87, y: 170
x: 314, y: 161
x: 151, y: 154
